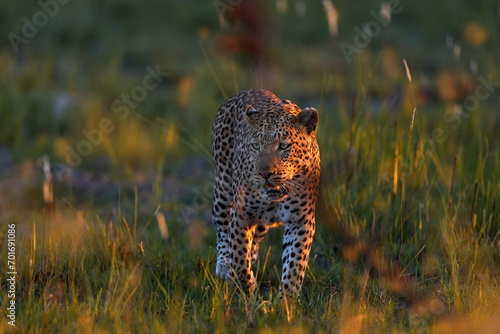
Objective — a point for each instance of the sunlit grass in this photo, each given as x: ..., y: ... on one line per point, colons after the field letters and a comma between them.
x: 137, y: 254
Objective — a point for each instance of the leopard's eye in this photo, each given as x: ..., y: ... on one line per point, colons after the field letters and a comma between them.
x: 285, y: 146
x: 255, y: 146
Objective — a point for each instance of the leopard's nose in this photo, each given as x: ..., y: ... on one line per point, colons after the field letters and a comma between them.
x: 266, y: 174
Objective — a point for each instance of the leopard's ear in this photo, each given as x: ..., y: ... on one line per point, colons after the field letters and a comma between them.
x: 251, y: 114
x: 308, y: 119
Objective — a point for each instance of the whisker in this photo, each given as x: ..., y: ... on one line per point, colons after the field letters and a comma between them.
x: 294, y: 193
x: 290, y: 189
x: 296, y: 185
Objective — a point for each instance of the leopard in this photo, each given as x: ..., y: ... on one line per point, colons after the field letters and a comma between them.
x: 267, y: 169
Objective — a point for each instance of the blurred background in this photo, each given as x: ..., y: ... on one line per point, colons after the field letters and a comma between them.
x: 68, y: 65
x: 106, y: 108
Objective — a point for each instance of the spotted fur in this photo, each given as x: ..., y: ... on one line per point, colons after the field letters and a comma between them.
x: 267, y: 169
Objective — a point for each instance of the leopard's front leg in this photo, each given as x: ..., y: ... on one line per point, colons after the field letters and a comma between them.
x: 241, y: 233
x: 220, y: 211
x: 260, y: 232
x: 297, y: 240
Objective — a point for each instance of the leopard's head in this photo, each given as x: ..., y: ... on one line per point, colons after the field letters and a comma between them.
x: 280, y: 147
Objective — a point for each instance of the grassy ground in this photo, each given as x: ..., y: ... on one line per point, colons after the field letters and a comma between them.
x: 408, y: 236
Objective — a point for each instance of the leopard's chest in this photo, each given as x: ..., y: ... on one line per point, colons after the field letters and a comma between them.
x: 261, y: 211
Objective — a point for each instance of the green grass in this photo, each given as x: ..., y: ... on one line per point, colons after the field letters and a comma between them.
x: 385, y: 259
